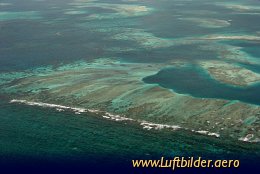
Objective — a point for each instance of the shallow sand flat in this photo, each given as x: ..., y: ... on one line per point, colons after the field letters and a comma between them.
x: 144, y: 39
x: 119, y: 10
x: 231, y: 53
x: 237, y: 6
x: 208, y: 22
x: 213, y: 43
x: 118, y: 88
x: 74, y: 12
x: 230, y: 74
x: 232, y: 37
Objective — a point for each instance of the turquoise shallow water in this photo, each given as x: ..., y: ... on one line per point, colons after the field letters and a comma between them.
x: 37, y: 33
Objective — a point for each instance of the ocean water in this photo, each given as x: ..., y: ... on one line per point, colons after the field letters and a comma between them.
x: 43, y: 33
x: 28, y: 28
x: 44, y: 139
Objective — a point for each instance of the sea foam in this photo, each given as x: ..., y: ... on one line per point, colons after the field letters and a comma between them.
x: 145, y: 124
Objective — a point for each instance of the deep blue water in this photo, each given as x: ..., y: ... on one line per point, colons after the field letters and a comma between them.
x: 194, y: 81
x: 35, y: 139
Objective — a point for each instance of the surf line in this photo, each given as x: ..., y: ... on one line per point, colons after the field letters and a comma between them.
x: 145, y: 124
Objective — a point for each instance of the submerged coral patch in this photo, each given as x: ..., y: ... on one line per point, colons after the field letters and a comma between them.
x: 208, y: 22
x: 74, y: 12
x: 231, y: 74
x: 126, y: 96
x: 118, y: 10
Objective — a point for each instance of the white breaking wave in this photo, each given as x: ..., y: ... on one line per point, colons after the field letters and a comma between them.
x: 116, y: 117
x: 57, y: 107
x: 207, y: 133
x: 249, y: 138
x: 148, y: 125
x: 107, y: 115
x: 74, y: 109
